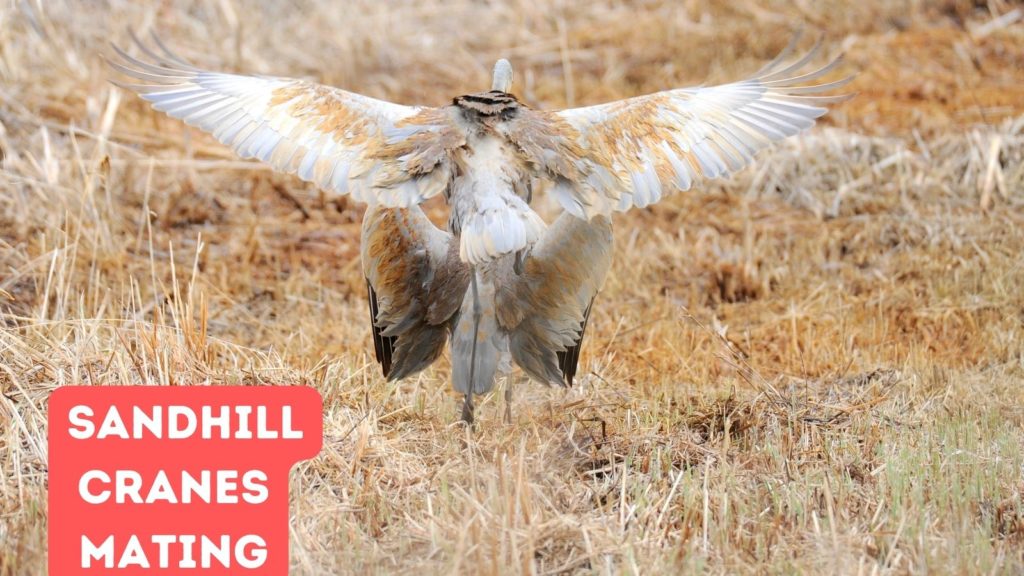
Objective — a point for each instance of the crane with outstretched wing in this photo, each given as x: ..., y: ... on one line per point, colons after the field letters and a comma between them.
x: 502, y: 284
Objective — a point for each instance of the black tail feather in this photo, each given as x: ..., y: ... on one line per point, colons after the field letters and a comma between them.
x: 383, y: 346
x: 569, y: 360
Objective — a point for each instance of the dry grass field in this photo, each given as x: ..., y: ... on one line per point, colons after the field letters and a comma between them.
x: 814, y: 367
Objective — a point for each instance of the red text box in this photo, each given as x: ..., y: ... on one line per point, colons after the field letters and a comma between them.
x: 175, y: 480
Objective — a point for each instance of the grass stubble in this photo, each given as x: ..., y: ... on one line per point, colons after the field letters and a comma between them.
x: 815, y: 366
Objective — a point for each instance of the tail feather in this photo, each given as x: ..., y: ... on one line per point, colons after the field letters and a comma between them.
x: 497, y: 224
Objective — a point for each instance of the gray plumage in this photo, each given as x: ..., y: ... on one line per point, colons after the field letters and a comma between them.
x: 501, y: 283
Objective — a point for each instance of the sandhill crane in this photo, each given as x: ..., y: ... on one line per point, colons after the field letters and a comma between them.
x: 504, y: 285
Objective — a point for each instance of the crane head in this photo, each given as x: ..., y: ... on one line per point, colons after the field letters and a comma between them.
x: 502, y: 76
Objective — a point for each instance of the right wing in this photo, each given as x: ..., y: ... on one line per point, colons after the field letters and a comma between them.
x: 633, y: 152
x: 343, y: 142
x: 569, y: 360
x: 545, y: 307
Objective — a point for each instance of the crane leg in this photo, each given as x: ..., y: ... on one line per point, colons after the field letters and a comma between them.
x: 467, y: 409
x: 467, y: 405
x: 508, y: 399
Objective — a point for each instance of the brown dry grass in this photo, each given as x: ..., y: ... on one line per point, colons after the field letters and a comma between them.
x: 815, y: 367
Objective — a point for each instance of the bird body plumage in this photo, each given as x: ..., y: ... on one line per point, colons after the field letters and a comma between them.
x: 500, y: 282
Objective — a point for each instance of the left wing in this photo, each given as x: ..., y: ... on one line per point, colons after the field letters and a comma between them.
x: 383, y: 346
x: 346, y: 143
x: 632, y: 152
x: 415, y: 283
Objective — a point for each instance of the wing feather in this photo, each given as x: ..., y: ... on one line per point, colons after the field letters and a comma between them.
x: 415, y: 284
x: 343, y: 142
x: 545, y: 307
x: 632, y: 152
x: 569, y: 360
x: 383, y: 346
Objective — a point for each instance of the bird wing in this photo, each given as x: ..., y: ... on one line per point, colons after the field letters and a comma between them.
x: 415, y: 282
x: 383, y: 346
x: 569, y: 360
x: 545, y: 306
x: 377, y: 151
x: 631, y: 152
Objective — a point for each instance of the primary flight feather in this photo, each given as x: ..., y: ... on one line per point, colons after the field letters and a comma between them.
x: 503, y: 285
